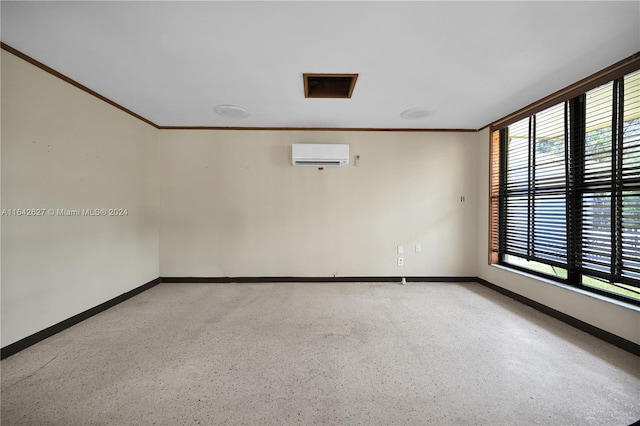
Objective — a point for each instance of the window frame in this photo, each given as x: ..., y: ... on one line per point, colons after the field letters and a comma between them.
x: 574, y: 98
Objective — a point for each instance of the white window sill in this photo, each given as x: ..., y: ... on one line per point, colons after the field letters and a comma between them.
x: 570, y: 288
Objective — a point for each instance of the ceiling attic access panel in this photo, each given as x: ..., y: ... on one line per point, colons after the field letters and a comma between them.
x: 329, y: 85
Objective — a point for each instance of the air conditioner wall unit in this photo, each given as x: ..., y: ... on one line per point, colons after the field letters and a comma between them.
x: 319, y: 154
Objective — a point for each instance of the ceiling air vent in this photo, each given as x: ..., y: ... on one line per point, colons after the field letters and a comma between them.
x: 329, y: 85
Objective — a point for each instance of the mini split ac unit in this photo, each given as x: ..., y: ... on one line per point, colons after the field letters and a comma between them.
x: 319, y: 154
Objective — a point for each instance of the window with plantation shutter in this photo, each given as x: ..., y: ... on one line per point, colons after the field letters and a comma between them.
x: 630, y: 217
x: 609, y: 255
x: 565, y: 189
x: 534, y: 191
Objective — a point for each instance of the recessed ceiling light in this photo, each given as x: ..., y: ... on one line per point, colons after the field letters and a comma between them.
x: 231, y: 111
x: 416, y: 113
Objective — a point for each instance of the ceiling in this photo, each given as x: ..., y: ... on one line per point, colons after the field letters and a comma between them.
x: 466, y: 63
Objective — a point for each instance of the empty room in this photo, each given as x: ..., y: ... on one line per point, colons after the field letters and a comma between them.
x: 320, y: 213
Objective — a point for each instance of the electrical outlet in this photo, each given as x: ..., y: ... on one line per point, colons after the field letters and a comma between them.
x: 400, y: 261
x: 418, y: 248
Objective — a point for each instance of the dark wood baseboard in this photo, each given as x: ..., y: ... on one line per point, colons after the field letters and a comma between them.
x: 13, y: 348
x: 618, y: 341
x: 247, y: 280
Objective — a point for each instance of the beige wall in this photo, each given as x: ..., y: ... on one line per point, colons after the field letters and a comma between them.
x: 618, y: 318
x: 232, y: 205
x: 62, y: 148
x: 228, y: 203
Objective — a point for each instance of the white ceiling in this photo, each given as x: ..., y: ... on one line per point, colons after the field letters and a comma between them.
x: 471, y: 62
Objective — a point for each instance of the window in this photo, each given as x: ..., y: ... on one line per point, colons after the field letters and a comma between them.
x: 565, y: 187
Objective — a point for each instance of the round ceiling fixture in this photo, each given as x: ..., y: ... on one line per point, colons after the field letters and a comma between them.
x: 230, y: 111
x: 416, y: 113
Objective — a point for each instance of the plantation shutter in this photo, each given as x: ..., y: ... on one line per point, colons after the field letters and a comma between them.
x: 597, y: 241
x: 630, y: 173
x: 535, y: 189
x: 549, y: 227
x: 516, y: 190
x: 611, y: 187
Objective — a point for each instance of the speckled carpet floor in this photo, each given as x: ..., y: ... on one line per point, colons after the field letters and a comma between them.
x: 316, y: 354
